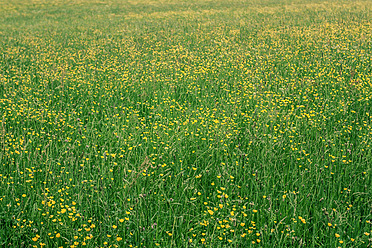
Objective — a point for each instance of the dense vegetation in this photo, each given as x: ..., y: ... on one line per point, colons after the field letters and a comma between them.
x: 191, y: 123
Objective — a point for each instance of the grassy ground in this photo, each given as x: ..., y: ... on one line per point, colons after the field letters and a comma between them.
x: 185, y: 123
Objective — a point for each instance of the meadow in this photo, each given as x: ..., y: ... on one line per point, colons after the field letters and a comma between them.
x: 185, y: 123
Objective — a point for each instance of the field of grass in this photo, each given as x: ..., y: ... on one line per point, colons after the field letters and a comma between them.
x: 185, y: 123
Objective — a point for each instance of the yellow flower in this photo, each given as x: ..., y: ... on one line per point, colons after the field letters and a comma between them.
x: 210, y: 212
x: 118, y: 239
x: 337, y: 235
x: 58, y: 235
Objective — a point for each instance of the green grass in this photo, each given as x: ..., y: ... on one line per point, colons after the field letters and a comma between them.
x: 185, y: 123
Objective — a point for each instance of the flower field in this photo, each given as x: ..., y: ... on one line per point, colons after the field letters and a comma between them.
x: 185, y: 123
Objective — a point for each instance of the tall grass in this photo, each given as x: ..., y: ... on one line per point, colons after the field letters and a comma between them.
x: 185, y: 123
